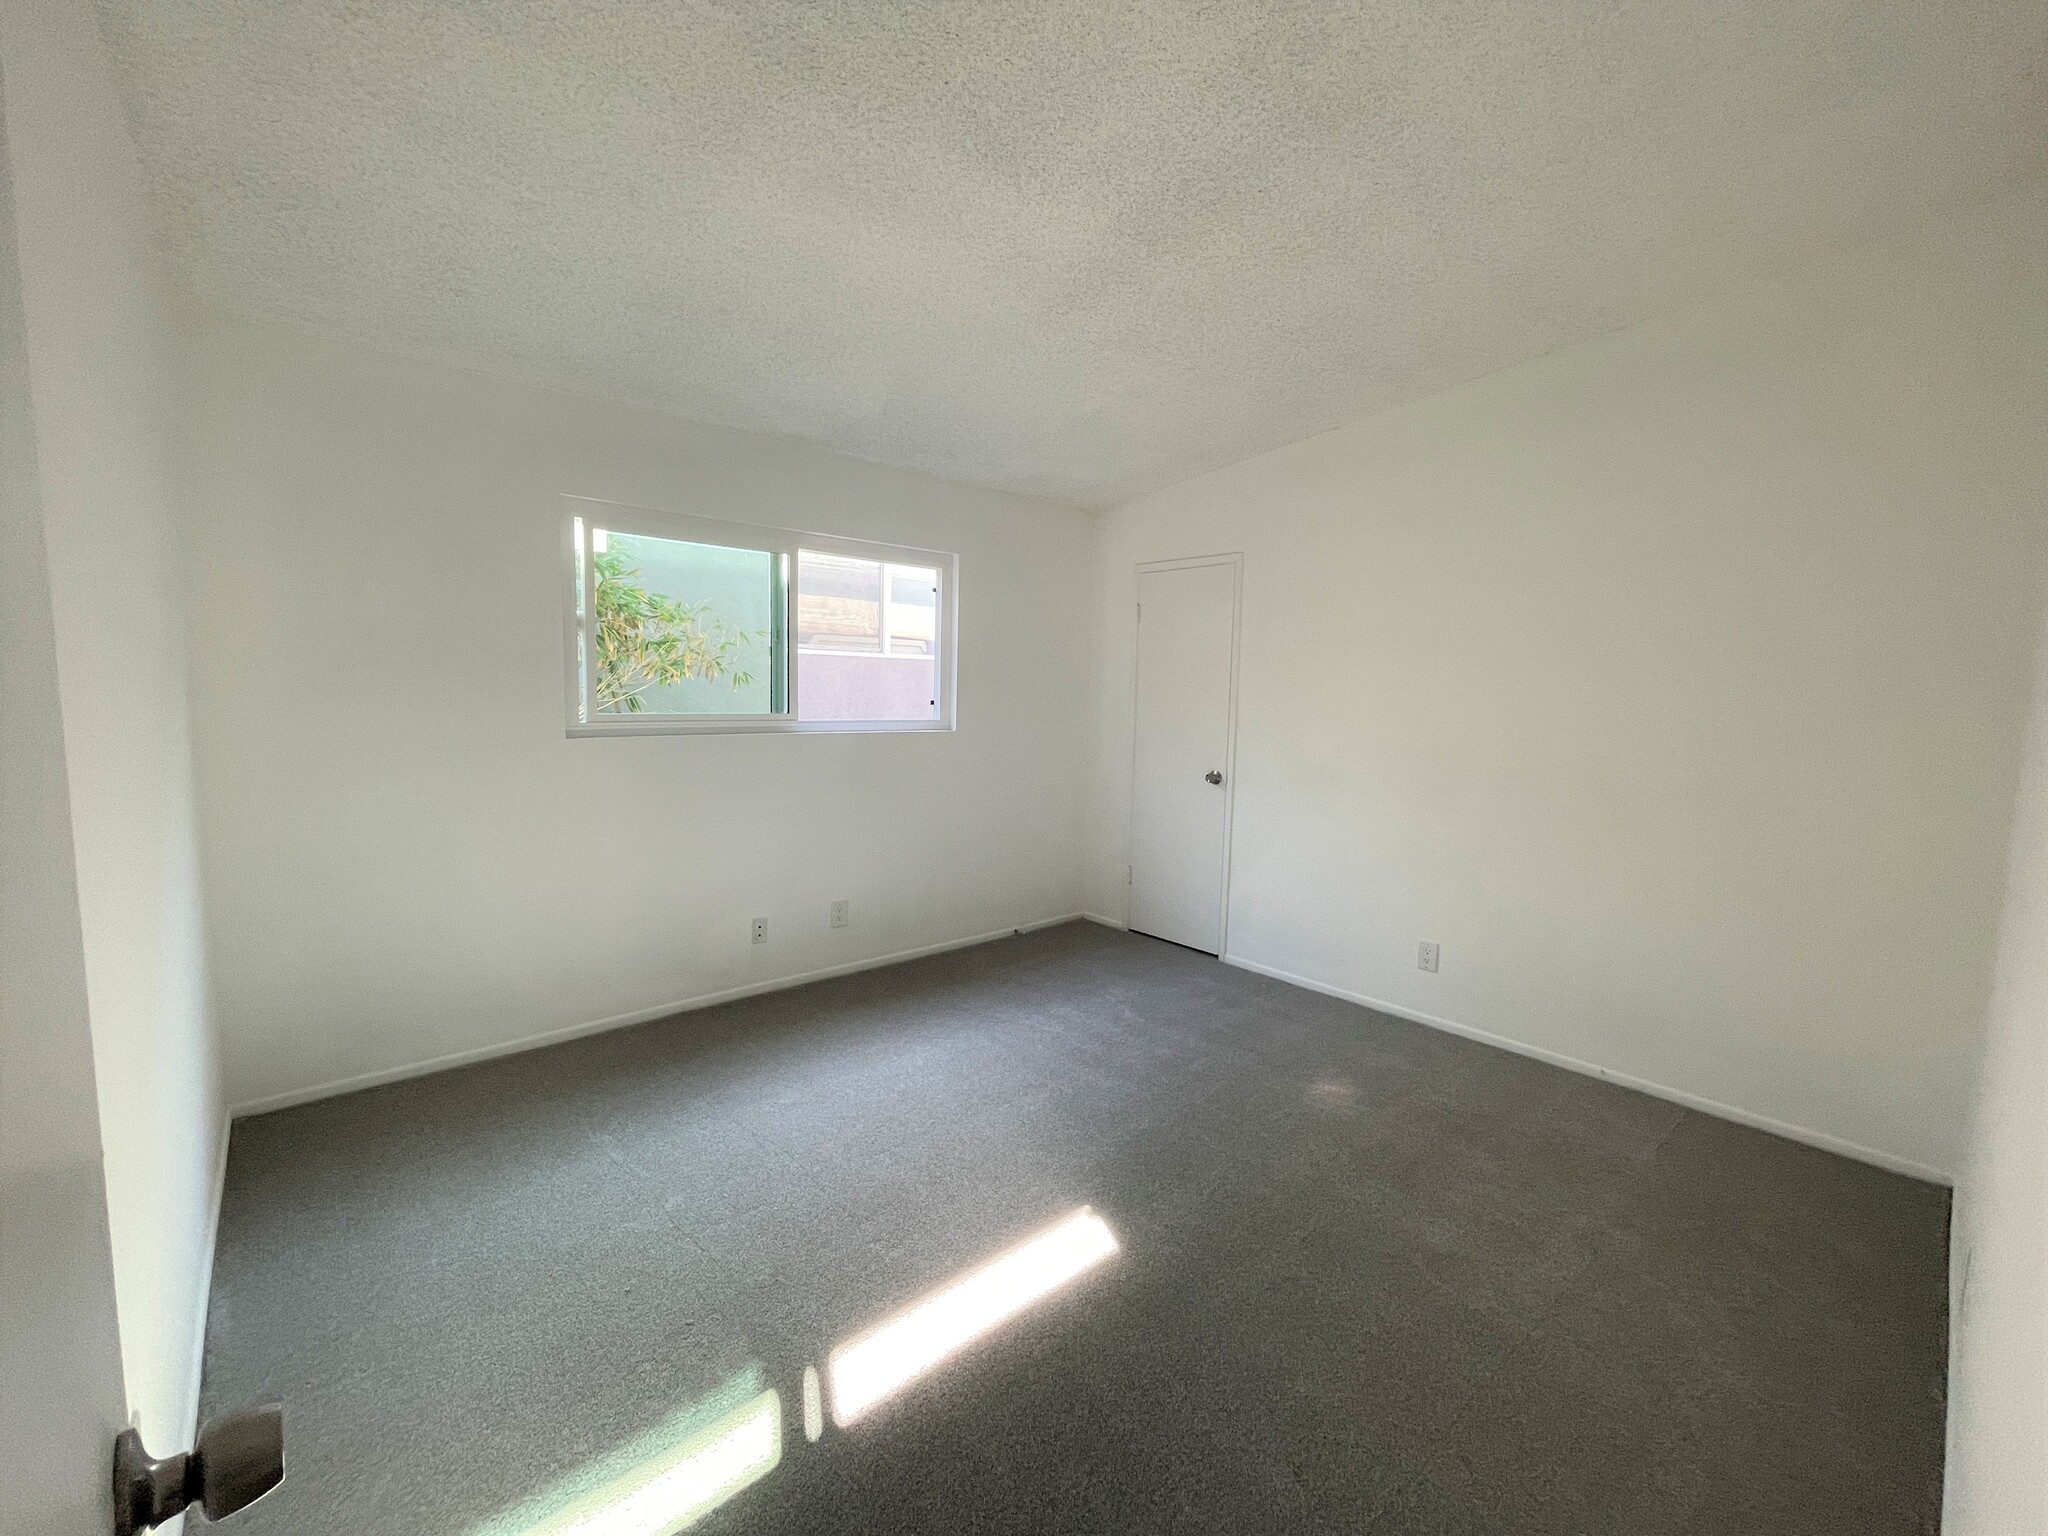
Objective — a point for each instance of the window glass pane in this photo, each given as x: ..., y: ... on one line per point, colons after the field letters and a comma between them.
x: 867, y: 639
x: 839, y: 603
x: 684, y: 629
x: 913, y: 611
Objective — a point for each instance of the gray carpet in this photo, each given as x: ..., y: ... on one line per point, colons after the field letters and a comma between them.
x: 1372, y: 1277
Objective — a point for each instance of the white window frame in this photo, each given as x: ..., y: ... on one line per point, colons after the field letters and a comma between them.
x: 586, y: 514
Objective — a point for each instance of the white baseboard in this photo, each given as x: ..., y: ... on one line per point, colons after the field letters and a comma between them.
x: 1108, y: 922
x: 1862, y: 1154
x: 622, y: 1020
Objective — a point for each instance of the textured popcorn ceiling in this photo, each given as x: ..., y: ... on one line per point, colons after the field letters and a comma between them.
x: 1079, y: 249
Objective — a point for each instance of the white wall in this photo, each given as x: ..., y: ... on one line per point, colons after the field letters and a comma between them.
x: 94, y: 344
x: 1673, y: 683
x: 1998, y: 1399
x: 406, y: 857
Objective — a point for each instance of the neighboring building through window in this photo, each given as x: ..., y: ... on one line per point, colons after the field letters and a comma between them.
x: 867, y: 638
x: 684, y: 624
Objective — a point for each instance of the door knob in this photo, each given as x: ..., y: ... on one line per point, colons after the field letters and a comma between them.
x: 1213, y: 776
x: 237, y: 1459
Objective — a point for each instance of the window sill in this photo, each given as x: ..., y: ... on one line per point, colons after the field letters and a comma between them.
x: 743, y: 727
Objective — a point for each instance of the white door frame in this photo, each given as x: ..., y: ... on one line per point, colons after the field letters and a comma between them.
x: 1235, y: 560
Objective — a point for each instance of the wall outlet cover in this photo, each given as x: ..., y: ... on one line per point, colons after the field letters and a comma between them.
x: 1426, y: 956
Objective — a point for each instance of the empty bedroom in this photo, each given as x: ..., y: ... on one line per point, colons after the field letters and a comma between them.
x: 1023, y: 767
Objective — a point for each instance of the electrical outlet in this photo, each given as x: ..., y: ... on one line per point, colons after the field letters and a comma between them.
x: 1425, y: 956
x: 841, y: 913
x: 760, y: 930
